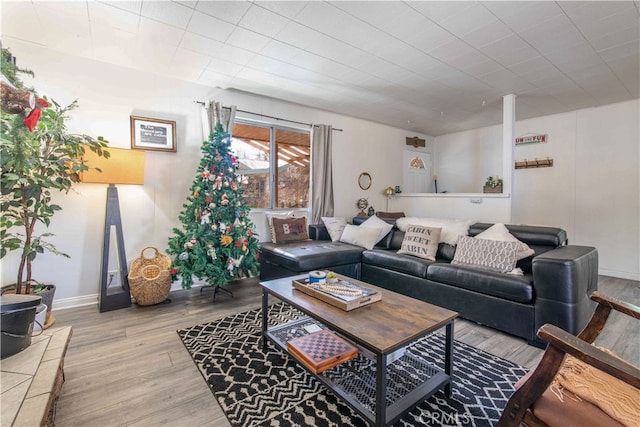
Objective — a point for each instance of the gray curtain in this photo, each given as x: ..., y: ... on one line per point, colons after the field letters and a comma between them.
x: 321, y: 173
x: 213, y: 113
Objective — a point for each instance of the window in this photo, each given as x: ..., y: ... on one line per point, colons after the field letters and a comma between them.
x: 259, y: 148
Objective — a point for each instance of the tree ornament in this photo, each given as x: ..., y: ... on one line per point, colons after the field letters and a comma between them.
x: 205, y: 218
x: 205, y: 175
x: 183, y: 256
x: 226, y: 240
x: 224, y: 200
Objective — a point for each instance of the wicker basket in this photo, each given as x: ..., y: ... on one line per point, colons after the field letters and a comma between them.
x: 150, y: 278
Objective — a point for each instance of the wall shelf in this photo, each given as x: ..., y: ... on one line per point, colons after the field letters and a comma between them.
x: 537, y: 163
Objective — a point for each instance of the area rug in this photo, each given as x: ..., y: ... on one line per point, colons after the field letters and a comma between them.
x: 256, y: 388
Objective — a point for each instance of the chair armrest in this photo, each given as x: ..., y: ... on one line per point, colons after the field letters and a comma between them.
x: 590, y: 354
x: 606, y: 303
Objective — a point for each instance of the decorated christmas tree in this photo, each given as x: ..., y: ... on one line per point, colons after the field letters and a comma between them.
x: 217, y: 242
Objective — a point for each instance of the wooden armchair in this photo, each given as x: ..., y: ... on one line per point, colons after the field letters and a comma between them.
x: 536, y: 403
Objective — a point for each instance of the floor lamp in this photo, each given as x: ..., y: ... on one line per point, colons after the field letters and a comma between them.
x: 122, y: 167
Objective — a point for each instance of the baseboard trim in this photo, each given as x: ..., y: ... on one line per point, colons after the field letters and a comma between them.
x: 619, y: 274
x: 64, y: 303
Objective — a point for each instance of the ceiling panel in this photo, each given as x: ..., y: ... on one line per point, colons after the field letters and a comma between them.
x: 400, y: 63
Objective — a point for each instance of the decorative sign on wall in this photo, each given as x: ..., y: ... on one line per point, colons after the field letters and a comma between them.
x: 532, y: 139
x: 415, y: 141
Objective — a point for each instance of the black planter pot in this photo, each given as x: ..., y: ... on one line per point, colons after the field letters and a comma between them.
x: 46, y: 294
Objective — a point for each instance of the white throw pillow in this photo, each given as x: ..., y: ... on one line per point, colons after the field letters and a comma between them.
x: 360, y: 236
x: 269, y: 217
x: 499, y: 232
x: 491, y: 254
x: 335, y: 226
x: 374, y: 221
x: 451, y: 228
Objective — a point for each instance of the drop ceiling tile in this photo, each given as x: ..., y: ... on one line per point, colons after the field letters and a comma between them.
x: 509, y: 50
x: 228, y: 11
x: 278, y: 50
x: 574, y: 58
x: 487, y: 34
x: 628, y: 71
x: 216, y: 49
x: 468, y: 20
x: 614, y: 39
x: 378, y: 14
x: 112, y: 45
x: 532, y: 66
x: 384, y: 70
x: 469, y: 59
x: 440, y: 10
x: 100, y: 13
x: 339, y: 51
x: 247, y: 40
x: 159, y: 33
x: 523, y: 15
x: 213, y: 78
x: 610, y: 24
x: 263, y: 21
x: 451, y: 50
x: 552, y: 35
x: 429, y: 37
x: 288, y: 9
x: 133, y: 6
x: 299, y: 36
x: 188, y: 64
x: 628, y: 49
x: 209, y: 26
x: 17, y: 21
x: 507, y: 81
x: 167, y: 12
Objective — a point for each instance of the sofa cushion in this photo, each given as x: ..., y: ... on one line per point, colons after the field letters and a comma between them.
x: 421, y: 241
x: 269, y: 217
x: 507, y: 286
x: 391, y: 260
x: 310, y: 254
x: 289, y: 230
x: 494, y: 255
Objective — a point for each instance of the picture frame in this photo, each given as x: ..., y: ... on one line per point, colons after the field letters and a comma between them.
x: 153, y: 134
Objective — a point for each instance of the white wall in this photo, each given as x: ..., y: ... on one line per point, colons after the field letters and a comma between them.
x: 108, y: 95
x: 592, y: 190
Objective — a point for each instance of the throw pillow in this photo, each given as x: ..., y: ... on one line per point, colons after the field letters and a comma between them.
x: 491, y: 254
x: 451, y: 228
x: 421, y: 241
x: 288, y: 230
x: 384, y: 226
x: 360, y: 236
x: 499, y: 232
x: 335, y: 226
x: 269, y: 217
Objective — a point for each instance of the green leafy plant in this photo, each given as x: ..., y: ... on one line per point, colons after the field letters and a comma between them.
x: 493, y: 181
x: 37, y: 156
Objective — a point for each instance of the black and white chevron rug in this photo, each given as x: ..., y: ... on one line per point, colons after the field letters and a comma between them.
x: 256, y: 388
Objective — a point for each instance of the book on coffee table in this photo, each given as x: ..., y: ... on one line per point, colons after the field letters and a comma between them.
x: 321, y: 350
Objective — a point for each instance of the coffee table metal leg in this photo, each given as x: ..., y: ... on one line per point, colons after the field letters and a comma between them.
x: 448, y: 358
x: 381, y: 389
x: 265, y: 315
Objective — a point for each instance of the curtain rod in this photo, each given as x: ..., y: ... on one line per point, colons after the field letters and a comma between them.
x: 272, y: 117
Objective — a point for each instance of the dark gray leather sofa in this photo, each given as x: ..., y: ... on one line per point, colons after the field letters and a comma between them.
x: 555, y: 287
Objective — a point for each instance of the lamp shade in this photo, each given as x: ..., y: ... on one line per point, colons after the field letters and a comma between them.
x: 122, y: 167
x: 389, y: 191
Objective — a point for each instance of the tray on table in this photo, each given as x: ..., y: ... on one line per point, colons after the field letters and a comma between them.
x: 356, y: 294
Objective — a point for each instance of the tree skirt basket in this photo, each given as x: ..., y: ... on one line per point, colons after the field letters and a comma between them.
x: 150, y: 278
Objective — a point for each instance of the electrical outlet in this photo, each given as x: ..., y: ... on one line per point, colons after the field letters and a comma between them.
x: 113, y: 278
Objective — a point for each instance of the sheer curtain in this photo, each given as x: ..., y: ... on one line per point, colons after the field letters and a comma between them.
x: 321, y: 173
x: 213, y: 113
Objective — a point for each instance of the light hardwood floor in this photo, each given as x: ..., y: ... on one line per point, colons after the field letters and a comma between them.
x: 129, y: 368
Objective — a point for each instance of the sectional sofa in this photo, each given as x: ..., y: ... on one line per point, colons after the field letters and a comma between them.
x: 554, y: 286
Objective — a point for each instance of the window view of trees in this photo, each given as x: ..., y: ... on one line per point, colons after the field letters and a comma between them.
x: 288, y: 168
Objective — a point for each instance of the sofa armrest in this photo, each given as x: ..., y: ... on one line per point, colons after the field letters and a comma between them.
x: 563, y: 280
x: 318, y: 232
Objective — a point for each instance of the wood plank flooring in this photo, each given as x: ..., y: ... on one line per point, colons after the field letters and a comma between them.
x: 129, y: 368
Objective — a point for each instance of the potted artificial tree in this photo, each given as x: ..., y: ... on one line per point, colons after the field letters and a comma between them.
x: 38, y: 156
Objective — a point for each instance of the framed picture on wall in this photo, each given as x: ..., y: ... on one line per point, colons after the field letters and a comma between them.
x: 153, y: 134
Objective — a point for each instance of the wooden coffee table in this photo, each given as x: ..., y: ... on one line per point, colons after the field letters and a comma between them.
x: 382, y: 331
